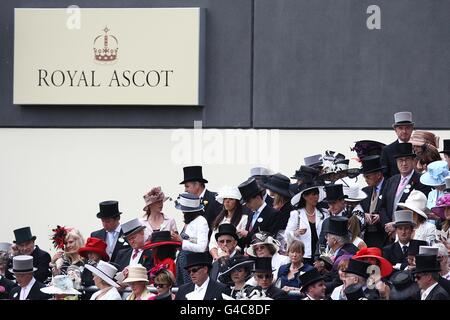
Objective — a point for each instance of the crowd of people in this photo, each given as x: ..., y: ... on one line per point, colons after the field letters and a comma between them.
x: 320, y: 237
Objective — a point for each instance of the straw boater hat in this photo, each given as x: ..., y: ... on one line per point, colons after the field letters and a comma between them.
x: 136, y: 273
x: 22, y: 264
x: 228, y: 192
x: 61, y: 284
x: 105, y: 271
x: 403, y: 218
x: 263, y: 238
x: 417, y: 202
x: 402, y: 118
x: 94, y: 245
x: 435, y: 174
x: 154, y: 195
x: 188, y: 202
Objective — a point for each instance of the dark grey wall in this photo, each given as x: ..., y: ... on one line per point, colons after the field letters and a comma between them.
x: 281, y: 64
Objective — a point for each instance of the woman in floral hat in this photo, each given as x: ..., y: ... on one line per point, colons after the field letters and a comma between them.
x: 442, y: 210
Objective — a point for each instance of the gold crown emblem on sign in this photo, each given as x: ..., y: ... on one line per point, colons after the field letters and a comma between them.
x: 105, y: 47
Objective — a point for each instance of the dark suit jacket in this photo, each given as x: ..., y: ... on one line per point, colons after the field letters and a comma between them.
x: 438, y: 293
x: 394, y: 253
x: 124, y: 256
x: 212, y: 207
x: 35, y: 293
x: 387, y: 207
x: 269, y: 201
x: 213, y: 291
x: 41, y: 261
x: 388, y: 160
x: 268, y: 224
x: 101, y: 234
x: 8, y: 285
x: 282, y: 216
x: 276, y: 293
x: 445, y: 284
x: 374, y: 236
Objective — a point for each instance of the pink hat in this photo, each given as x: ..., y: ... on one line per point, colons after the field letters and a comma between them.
x: 154, y: 195
x: 441, y: 204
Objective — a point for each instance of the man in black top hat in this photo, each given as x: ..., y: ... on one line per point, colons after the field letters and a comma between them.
x: 446, y: 151
x: 262, y: 216
x: 358, y: 272
x: 427, y: 276
x: 403, y: 126
x: 202, y: 286
x: 25, y: 243
x: 195, y: 183
x: 372, y: 171
x: 227, y: 240
x: 399, y: 187
x: 263, y: 274
x: 112, y: 232
x: 313, y: 285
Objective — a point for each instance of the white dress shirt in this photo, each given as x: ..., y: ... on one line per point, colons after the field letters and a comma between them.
x: 427, y: 291
x: 25, y: 291
x: 199, y: 291
x: 111, y: 239
x: 134, y: 261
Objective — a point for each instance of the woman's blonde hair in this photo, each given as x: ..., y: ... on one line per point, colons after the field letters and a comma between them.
x: 165, y: 277
x: 75, y: 234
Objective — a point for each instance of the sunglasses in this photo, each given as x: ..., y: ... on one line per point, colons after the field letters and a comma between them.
x: 160, y: 285
x: 194, y: 270
x: 225, y: 241
x: 264, y: 276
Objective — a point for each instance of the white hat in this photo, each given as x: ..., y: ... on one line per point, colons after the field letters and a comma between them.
x: 136, y: 273
x: 352, y: 190
x: 61, y: 285
x: 260, y: 171
x: 263, y: 238
x: 105, y: 271
x: 416, y: 202
x: 228, y: 192
x: 402, y: 118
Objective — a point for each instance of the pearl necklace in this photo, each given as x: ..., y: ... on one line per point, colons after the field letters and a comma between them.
x: 310, y: 214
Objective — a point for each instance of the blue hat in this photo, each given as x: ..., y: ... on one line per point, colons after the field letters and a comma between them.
x: 436, y: 173
x: 188, y: 202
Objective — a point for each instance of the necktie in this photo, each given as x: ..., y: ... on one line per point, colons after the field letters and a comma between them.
x: 254, y: 217
x: 135, y: 253
x: 401, y: 185
x: 405, y: 250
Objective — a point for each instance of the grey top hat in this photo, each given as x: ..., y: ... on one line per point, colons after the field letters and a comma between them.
x: 260, y: 171
x: 429, y: 250
x: 22, y: 264
x: 403, y: 218
x: 132, y: 227
x: 402, y: 118
x: 313, y: 161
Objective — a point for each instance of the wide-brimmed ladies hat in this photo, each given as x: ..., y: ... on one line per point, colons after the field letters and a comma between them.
x: 265, y: 238
x: 22, y: 264
x: 417, y: 202
x: 61, y: 284
x: 306, y: 186
x: 375, y: 253
x: 104, y: 271
x: 419, y: 138
x: 436, y: 173
x: 352, y: 190
x: 136, y: 273
x: 94, y: 245
x: 188, y: 202
x: 278, y: 183
x: 367, y: 148
x: 233, y: 264
x: 441, y: 203
x: 161, y: 238
x: 153, y: 196
x: 228, y: 192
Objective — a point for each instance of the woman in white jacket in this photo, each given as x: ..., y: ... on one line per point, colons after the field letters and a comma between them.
x: 194, y: 237
x: 305, y: 223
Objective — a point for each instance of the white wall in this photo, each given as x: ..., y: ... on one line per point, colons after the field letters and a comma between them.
x: 58, y: 176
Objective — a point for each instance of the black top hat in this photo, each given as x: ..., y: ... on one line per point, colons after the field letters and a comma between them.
x: 371, y: 164
x: 109, y: 209
x: 280, y: 184
x: 334, y: 192
x: 238, y: 261
x: 23, y: 235
x: 338, y: 226
x: 355, y: 292
x: 249, y: 189
x: 193, y: 173
x: 426, y: 263
x: 358, y: 267
x: 263, y: 265
x: 404, y: 150
x: 309, y: 278
x: 226, y: 229
x: 446, y: 148
x: 403, y: 287
x: 306, y: 173
x: 198, y: 259
x: 366, y: 148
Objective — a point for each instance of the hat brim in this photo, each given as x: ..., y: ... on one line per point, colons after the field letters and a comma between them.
x: 149, y: 204
x: 129, y: 280
x: 55, y: 290
x: 85, y: 250
x: 234, y: 235
x: 283, y: 192
x: 130, y: 233
x: 305, y: 286
x: 404, y: 223
x: 189, y: 209
x: 162, y: 243
x: 251, y: 195
x: 414, y: 209
x: 372, y: 170
x: 220, y: 198
x: 428, y: 180
x: 412, y: 155
x: 425, y: 270
x: 23, y: 241
x: 203, y: 264
x: 11, y: 270
x: 385, y: 266
x: 194, y: 179
x: 360, y: 197
x: 402, y: 123
x: 226, y: 275
x: 100, y: 215
x: 102, y: 275
x: 252, y: 252
x: 296, y: 198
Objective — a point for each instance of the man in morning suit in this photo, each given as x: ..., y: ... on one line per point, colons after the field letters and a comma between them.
x: 426, y: 274
x: 29, y: 288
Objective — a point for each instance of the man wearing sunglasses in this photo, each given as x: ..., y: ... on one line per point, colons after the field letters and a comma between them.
x: 427, y: 276
x: 264, y: 278
x: 202, y: 286
x: 226, y: 238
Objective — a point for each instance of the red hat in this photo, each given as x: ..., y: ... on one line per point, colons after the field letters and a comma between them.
x: 94, y: 245
x: 385, y: 265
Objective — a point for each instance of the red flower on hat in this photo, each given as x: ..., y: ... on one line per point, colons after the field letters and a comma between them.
x: 156, y: 270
